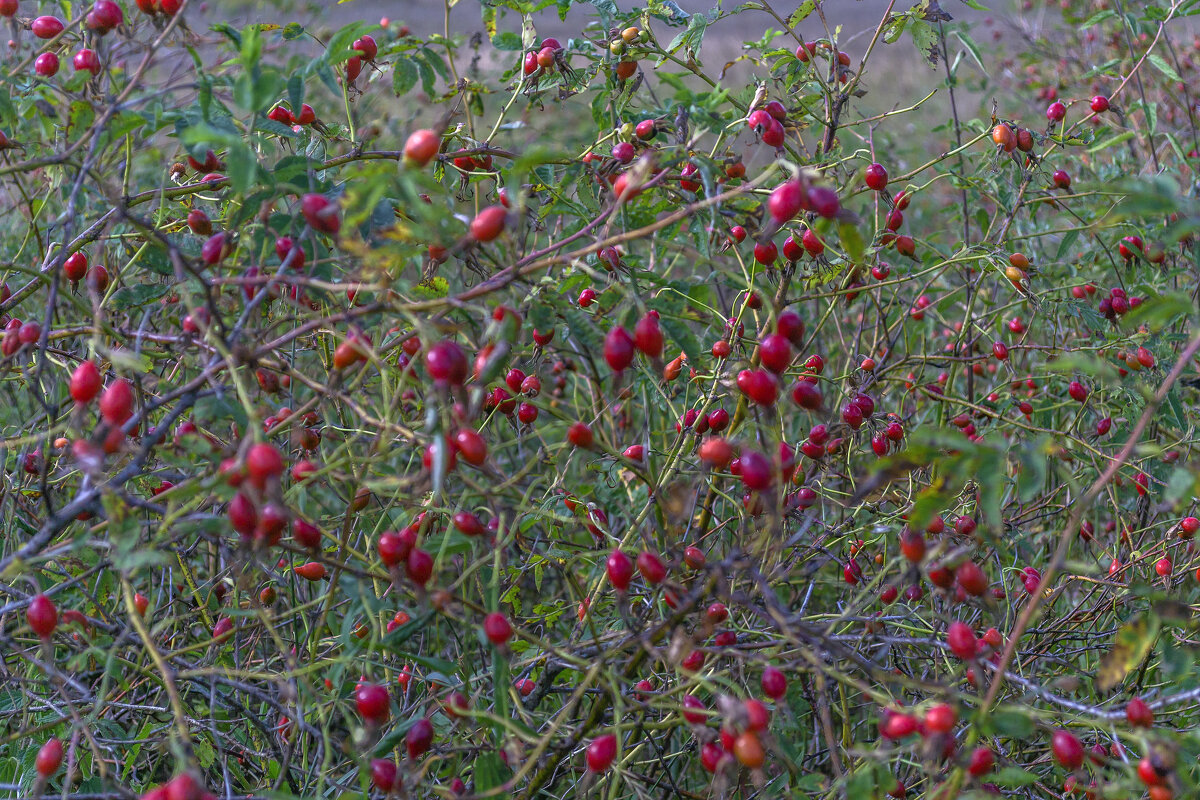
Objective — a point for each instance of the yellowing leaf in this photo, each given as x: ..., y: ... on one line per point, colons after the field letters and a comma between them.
x: 1131, y: 644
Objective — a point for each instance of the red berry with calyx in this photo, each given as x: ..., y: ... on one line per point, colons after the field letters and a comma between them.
x: 75, y: 267
x: 306, y: 534
x: 806, y: 395
x: 852, y: 415
x: 419, y: 738
x: 961, y: 640
x: 1139, y: 714
x: 971, y: 578
x: 1056, y: 111
x: 489, y: 223
x: 756, y: 470
x: 715, y: 452
x: 824, y: 201
x: 648, y: 336
x: 471, y: 446
x: 86, y: 60
x: 49, y: 757
x: 759, y: 385
x: 320, y: 213
x: 1128, y: 248
x: 46, y: 27
x: 421, y: 147
x: 383, y: 774
x: 619, y: 349
x: 1062, y: 180
x: 1148, y: 773
x: 86, y: 383
x: 1099, y: 104
x: 263, y: 464
x: 116, y: 404
x: 982, y: 762
x: 42, y: 616
x: 215, y: 248
x: 652, y: 568
x: 447, y: 363
x: 1077, y: 391
x: 46, y: 65
x: 419, y: 566
x: 602, y: 752
x: 774, y: 683
x: 367, y: 46
x: 940, y: 719
x: 899, y: 726
x: 497, y: 628
x: 580, y: 435
x: 394, y: 547
x: 199, y: 223
x: 619, y: 567
x: 1067, y: 749
x: 775, y: 352
x: 791, y: 327
x: 792, y: 250
x: 373, y: 702
x: 1188, y: 527
x: 876, y: 177
x: 312, y: 571
x: 766, y: 253
x: 785, y: 201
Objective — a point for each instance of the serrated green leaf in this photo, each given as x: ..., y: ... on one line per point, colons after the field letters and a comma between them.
x: 1166, y: 69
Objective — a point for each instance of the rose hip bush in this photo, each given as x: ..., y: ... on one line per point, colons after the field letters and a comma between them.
x: 400, y: 412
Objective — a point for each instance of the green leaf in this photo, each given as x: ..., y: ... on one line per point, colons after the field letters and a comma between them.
x: 607, y: 9
x: 1124, y: 136
x: 926, y: 39
x: 691, y: 36
x: 293, y: 30
x: 339, y: 49
x: 1160, y: 311
x: 1013, y: 724
x: 229, y: 32
x: 1163, y: 67
x: 1096, y: 19
x: 242, y: 167
x: 137, y: 296
x: 507, y: 41
x: 490, y: 772
x: 1064, y: 246
x: 852, y: 241
x: 295, y: 90
x: 682, y: 335
x: 251, y: 49
x: 427, y: 76
x: 895, y: 28
x: 1013, y: 777
x: 404, y: 76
